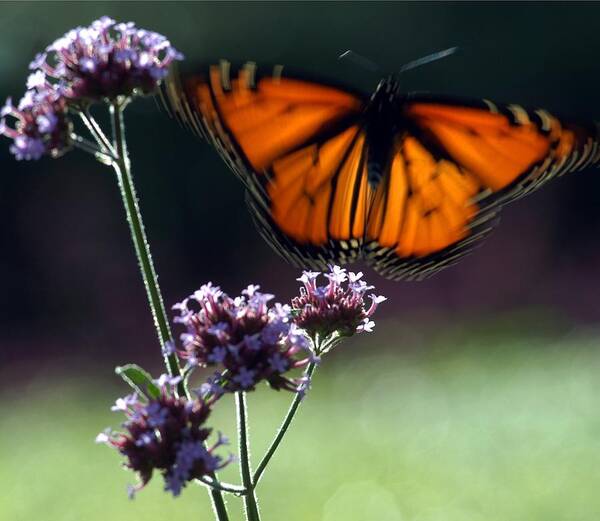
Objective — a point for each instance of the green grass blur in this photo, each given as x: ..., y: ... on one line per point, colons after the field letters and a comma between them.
x: 471, y: 427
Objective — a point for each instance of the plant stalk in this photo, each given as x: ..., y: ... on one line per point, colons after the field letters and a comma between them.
x: 282, y: 429
x: 140, y: 241
x: 223, y: 487
x: 250, y: 503
x: 122, y: 168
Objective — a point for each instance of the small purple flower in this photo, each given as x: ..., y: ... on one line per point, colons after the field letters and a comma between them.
x: 375, y: 301
x: 165, y: 380
x: 251, y: 290
x: 168, y: 348
x: 157, y: 414
x: 245, y: 378
x: 46, y: 122
x: 298, y: 337
x: 334, y: 309
x: 308, y: 277
x: 123, y: 404
x: 105, y: 436
x: 220, y: 330
x: 366, y: 327
x: 278, y: 363
x: 249, y: 339
x: 218, y: 355
x: 354, y: 277
x: 146, y: 438
x: 337, y: 275
x: 210, y: 388
x: 36, y: 80
x: 131, y: 491
x: 303, y: 387
x: 253, y: 341
x: 166, y: 434
x: 39, y: 125
x: 38, y: 61
x: 188, y: 453
x: 104, y: 61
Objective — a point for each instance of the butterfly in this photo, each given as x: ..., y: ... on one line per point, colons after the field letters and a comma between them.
x: 408, y: 182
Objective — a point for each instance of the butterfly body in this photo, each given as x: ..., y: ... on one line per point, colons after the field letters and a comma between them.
x: 408, y: 182
x: 382, y: 121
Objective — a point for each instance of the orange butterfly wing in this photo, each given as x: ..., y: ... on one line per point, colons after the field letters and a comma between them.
x: 313, y: 209
x: 451, y: 172
x: 300, y: 150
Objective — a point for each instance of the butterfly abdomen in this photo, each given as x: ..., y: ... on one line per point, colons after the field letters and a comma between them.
x: 374, y: 168
x: 380, y: 138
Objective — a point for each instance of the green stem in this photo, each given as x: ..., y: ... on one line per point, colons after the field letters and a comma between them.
x: 142, y: 249
x: 95, y: 130
x: 90, y: 148
x: 223, y: 487
x: 140, y: 241
x: 250, y: 504
x: 282, y: 429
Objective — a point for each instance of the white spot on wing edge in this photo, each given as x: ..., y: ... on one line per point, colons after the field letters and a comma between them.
x: 546, y: 119
x: 520, y: 114
x: 491, y: 106
x: 225, y: 69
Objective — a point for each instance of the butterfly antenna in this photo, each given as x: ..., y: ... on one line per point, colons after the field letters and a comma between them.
x: 360, y: 60
x: 428, y: 59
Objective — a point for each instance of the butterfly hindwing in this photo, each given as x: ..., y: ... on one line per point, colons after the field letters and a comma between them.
x: 461, y: 161
x: 424, y: 215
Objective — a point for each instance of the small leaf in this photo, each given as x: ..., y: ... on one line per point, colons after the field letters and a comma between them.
x: 139, y: 379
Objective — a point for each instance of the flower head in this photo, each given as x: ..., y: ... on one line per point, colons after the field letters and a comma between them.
x: 336, y: 308
x: 246, y: 337
x: 104, y: 60
x: 166, y: 434
x: 38, y: 125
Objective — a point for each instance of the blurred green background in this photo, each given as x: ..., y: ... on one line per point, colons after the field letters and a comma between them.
x: 476, y: 397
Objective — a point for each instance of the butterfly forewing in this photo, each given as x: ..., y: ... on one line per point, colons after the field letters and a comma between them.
x: 314, y: 201
x: 508, y: 148
x: 298, y: 147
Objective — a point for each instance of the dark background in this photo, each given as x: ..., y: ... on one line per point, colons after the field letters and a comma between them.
x: 69, y: 284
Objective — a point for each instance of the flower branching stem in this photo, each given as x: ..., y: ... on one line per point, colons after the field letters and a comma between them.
x: 223, y: 487
x: 91, y: 148
x: 94, y: 129
x: 142, y: 248
x: 310, y: 369
x: 250, y: 503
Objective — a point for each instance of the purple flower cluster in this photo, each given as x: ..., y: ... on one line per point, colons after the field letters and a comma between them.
x: 246, y: 340
x: 105, y: 60
x: 38, y: 125
x: 167, y: 434
x: 336, y: 308
x: 250, y: 340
